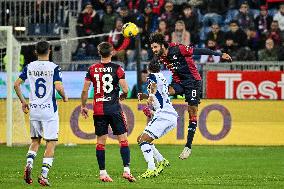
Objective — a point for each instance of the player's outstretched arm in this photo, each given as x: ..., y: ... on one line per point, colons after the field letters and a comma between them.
x: 124, y: 87
x: 17, y: 87
x: 84, y: 97
x: 205, y: 51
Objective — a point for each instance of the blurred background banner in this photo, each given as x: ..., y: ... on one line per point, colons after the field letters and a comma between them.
x: 245, y: 84
x: 221, y: 122
x: 73, y: 83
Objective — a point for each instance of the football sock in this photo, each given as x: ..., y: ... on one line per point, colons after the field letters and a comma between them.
x: 148, y: 154
x: 30, y: 158
x: 125, y: 153
x: 191, y: 131
x: 126, y: 169
x: 157, y: 155
x: 100, y: 153
x: 46, y: 165
x: 103, y: 172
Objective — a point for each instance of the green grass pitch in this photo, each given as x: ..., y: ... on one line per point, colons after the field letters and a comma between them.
x: 208, y: 167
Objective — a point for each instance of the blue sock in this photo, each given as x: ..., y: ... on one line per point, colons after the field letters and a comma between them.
x: 100, y: 152
x: 125, y: 153
x: 191, y: 131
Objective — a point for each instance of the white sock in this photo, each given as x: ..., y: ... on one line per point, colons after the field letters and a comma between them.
x: 46, y: 165
x: 157, y: 155
x: 30, y: 157
x: 103, y: 172
x: 126, y: 169
x: 148, y: 154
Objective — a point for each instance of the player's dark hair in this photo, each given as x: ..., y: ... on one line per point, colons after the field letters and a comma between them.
x: 159, y: 38
x: 105, y: 49
x: 42, y: 47
x: 154, y: 66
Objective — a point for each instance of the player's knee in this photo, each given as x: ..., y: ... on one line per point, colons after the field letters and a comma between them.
x: 100, y: 147
x: 123, y: 143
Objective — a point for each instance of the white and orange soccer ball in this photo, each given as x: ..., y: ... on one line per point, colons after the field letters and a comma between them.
x: 130, y: 30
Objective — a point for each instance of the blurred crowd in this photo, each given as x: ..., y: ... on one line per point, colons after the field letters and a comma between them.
x: 247, y: 30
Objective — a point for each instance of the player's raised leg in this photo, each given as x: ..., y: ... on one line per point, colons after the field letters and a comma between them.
x: 100, y: 153
x: 30, y: 159
x: 193, y: 99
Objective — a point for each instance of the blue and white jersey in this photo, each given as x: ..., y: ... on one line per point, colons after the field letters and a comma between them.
x: 42, y: 76
x: 162, y: 103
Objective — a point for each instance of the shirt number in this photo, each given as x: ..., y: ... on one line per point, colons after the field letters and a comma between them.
x: 107, y: 83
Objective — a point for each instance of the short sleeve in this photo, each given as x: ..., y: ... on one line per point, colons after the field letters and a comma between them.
x: 24, y: 75
x: 152, y: 78
x: 120, y: 73
x: 88, y: 75
x: 57, y: 77
x: 186, y: 50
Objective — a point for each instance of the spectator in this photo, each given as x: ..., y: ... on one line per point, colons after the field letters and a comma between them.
x: 169, y: 15
x: 217, y: 35
x: 213, y: 10
x: 164, y: 30
x: 125, y: 15
x: 275, y: 33
x: 180, y: 35
x: 190, y: 20
x: 149, y: 20
x: 119, y: 42
x: 211, y: 44
x: 136, y: 5
x: 157, y: 6
x: 279, y: 16
x: 255, y: 40
x: 195, y: 3
x: 269, y: 53
x: 244, y: 18
x: 263, y: 21
x: 108, y: 19
x: 117, y: 4
x: 144, y: 84
x: 230, y: 48
x: 281, y: 53
x: 237, y: 34
x: 88, y: 24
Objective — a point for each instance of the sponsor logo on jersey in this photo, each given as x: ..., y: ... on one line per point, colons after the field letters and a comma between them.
x: 103, y: 99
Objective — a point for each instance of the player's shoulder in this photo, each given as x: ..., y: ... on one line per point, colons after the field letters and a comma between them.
x: 152, y: 77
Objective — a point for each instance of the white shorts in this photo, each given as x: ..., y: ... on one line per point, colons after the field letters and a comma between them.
x: 160, y: 126
x: 48, y: 130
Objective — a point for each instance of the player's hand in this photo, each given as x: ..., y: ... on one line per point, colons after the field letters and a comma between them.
x: 84, y: 112
x: 147, y: 111
x: 150, y: 100
x: 140, y: 96
x: 123, y: 96
x: 25, y: 107
x: 65, y: 99
x: 227, y: 57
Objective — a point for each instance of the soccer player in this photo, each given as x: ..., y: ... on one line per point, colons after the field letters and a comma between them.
x: 186, y: 79
x: 106, y: 78
x: 43, y: 77
x: 164, y: 119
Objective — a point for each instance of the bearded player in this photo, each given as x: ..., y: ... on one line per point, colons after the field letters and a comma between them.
x: 186, y: 79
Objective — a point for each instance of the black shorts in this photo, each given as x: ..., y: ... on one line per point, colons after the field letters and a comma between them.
x: 116, y: 121
x: 192, y: 91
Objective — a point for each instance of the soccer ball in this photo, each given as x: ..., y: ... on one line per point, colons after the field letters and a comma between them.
x: 129, y: 30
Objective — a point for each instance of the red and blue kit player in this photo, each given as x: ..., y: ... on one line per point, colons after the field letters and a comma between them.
x: 106, y: 78
x: 186, y: 79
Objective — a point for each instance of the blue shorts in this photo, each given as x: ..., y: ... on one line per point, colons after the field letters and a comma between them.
x: 192, y: 91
